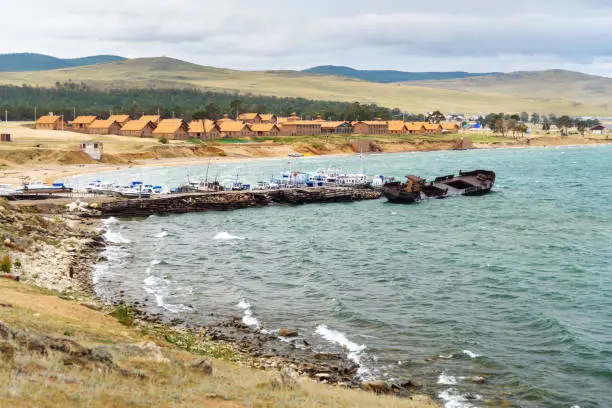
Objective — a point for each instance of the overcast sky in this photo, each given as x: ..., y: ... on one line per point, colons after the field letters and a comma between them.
x: 429, y: 35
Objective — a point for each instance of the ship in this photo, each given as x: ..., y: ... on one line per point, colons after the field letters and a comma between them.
x: 415, y: 189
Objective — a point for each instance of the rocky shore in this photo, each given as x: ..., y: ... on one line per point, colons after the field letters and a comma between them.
x: 52, y: 248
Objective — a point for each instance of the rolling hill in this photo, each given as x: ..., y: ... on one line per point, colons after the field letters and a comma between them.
x: 389, y: 76
x: 41, y: 62
x: 561, y: 92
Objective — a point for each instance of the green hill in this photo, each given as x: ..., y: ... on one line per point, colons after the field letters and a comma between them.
x: 389, y: 76
x: 41, y: 62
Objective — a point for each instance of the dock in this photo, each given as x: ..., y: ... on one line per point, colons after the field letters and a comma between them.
x: 231, y: 200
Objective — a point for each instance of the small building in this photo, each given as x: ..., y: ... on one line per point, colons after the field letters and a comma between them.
x: 138, y: 128
x: 206, y: 129
x: 415, y: 128
x: 293, y: 117
x: 151, y: 118
x: 264, y: 129
x: 598, y: 130
x: 232, y: 129
x: 92, y: 149
x: 250, y: 117
x: 433, y: 128
x: 301, y: 128
x: 336, y: 128
x: 5, y: 137
x: 83, y: 122
x: 104, y: 127
x: 52, y: 122
x: 268, y: 118
x: 397, y: 127
x: 450, y: 127
x: 120, y: 119
x: 371, y: 127
x: 174, y: 129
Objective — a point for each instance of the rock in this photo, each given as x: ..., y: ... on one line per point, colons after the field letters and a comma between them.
x: 32, y: 343
x: 92, y: 306
x: 285, y: 380
x: 478, y: 379
x: 7, y: 352
x: 377, y: 387
x: 203, y: 366
x: 287, y: 333
x: 100, y: 355
x: 5, y: 331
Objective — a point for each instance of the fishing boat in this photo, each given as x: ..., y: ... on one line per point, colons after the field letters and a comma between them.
x: 38, y: 187
x: 136, y: 189
x: 471, y: 183
x: 100, y: 187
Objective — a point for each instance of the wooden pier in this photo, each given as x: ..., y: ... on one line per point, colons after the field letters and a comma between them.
x: 231, y: 200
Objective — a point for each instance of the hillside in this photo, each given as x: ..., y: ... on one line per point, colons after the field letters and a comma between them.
x: 546, y: 91
x: 41, y: 62
x: 389, y: 76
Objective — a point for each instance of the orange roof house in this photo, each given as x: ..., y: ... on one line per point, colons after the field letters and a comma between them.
x: 104, y: 127
x: 336, y: 127
x: 433, y: 127
x: 293, y: 117
x: 233, y: 129
x: 51, y: 121
x: 139, y: 128
x: 415, y: 128
x: 151, y: 118
x: 206, y: 129
x: 82, y: 122
x: 250, y: 117
x: 268, y: 118
x: 397, y: 127
x: 175, y: 129
x: 450, y: 127
x: 301, y: 128
x: 120, y: 119
x: 264, y: 129
x: 371, y: 127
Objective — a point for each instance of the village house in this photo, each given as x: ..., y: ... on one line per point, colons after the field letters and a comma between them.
x: 138, y: 128
x: 301, y: 128
x: 599, y: 130
x: 415, y: 128
x: 120, y: 119
x: 82, y: 122
x: 151, y: 118
x: 450, y: 127
x: 264, y: 129
x: 234, y: 130
x: 225, y: 118
x: 175, y: 129
x: 268, y: 118
x: 104, y: 127
x: 206, y: 129
x: 337, y: 127
x: 250, y: 117
x: 397, y: 127
x: 371, y: 127
x: 52, y: 122
x: 432, y: 127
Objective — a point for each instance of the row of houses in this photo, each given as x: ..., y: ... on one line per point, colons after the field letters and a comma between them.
x: 247, y: 125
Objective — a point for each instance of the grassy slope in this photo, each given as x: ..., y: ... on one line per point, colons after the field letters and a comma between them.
x: 32, y: 380
x: 416, y: 97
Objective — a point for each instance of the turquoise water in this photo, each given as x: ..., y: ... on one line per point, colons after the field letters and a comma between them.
x: 513, y: 286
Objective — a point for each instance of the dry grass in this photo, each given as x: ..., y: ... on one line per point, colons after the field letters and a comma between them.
x: 46, y: 381
x: 421, y: 97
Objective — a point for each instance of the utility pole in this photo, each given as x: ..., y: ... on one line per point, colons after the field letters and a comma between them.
x: 6, y: 121
x: 73, y: 113
x: 62, y: 121
x: 35, y: 114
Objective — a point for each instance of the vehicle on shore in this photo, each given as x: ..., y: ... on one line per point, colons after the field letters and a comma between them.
x: 471, y: 183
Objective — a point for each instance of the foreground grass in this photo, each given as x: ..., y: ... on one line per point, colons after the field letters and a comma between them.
x: 163, y: 380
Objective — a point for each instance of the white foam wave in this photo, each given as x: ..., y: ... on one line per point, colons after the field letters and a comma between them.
x: 334, y: 336
x: 115, y: 237
x: 248, y: 317
x: 155, y: 262
x: 471, y: 354
x: 110, y: 221
x: 447, y: 379
x: 176, y: 308
x: 225, y: 236
x: 443, y: 357
x: 453, y: 399
x: 162, y: 234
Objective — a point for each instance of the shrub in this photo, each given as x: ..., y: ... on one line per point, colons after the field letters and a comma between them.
x: 5, y: 264
x: 163, y: 140
x: 17, y: 263
x: 124, y: 314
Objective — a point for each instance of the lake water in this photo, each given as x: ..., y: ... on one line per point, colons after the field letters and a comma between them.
x: 513, y: 286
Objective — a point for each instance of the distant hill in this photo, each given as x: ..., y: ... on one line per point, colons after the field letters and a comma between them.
x: 40, y: 62
x: 387, y: 76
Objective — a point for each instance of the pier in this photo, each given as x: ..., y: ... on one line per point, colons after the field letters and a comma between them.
x: 231, y: 200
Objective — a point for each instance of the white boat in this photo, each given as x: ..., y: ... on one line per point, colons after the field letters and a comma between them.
x: 6, y: 190
x: 136, y: 189
x: 38, y: 187
x: 100, y: 187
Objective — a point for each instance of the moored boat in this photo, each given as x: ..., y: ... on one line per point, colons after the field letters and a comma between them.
x: 38, y: 187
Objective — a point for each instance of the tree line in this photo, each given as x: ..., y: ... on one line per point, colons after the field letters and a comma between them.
x: 518, y: 123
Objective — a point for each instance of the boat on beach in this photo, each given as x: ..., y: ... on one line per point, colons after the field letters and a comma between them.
x: 39, y: 188
x: 470, y: 183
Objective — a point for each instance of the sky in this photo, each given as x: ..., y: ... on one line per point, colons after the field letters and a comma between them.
x: 431, y: 35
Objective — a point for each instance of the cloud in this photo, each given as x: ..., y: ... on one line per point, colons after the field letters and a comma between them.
x: 436, y: 35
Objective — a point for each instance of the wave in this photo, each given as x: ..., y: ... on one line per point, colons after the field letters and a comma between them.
x: 248, y: 317
x: 110, y: 221
x: 447, y: 379
x: 162, y: 234
x: 115, y: 237
x: 224, y: 236
x: 471, y: 354
x: 334, y: 336
x: 454, y: 399
x: 176, y: 308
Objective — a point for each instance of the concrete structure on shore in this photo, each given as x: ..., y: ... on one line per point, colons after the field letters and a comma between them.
x: 92, y: 148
